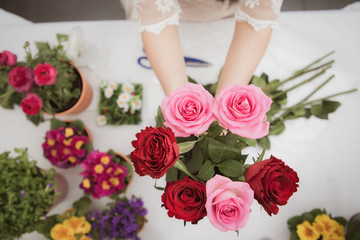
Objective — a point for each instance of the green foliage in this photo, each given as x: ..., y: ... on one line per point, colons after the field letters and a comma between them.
x: 60, y: 96
x: 115, y: 115
x: 26, y: 194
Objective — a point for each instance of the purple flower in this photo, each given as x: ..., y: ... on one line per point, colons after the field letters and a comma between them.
x: 22, y: 192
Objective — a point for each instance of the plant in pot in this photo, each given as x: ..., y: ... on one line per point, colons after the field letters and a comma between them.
x: 120, y: 103
x: 27, y: 193
x: 45, y: 82
x: 106, y: 174
x: 67, y: 143
x: 122, y: 219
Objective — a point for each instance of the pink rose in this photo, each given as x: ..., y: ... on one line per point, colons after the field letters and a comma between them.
x: 31, y: 104
x: 21, y: 79
x: 242, y: 109
x: 228, y: 203
x: 188, y: 110
x: 45, y: 74
x: 7, y: 58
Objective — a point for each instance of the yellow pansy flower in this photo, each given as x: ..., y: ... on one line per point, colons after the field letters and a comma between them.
x: 60, y: 232
x: 69, y: 132
x: 305, y: 231
x: 99, y: 168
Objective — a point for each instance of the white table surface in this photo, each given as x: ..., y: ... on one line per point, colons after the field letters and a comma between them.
x: 324, y: 153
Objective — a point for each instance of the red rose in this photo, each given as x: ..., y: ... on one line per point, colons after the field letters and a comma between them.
x: 45, y: 74
x: 273, y: 183
x: 156, y: 151
x: 31, y: 104
x: 21, y: 79
x: 185, y: 199
x: 7, y: 58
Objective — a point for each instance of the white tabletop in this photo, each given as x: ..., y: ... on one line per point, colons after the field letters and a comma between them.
x: 324, y: 153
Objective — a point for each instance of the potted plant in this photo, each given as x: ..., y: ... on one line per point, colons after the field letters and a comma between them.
x: 67, y: 143
x: 120, y: 103
x: 27, y: 193
x: 122, y: 219
x: 45, y: 82
x: 106, y: 174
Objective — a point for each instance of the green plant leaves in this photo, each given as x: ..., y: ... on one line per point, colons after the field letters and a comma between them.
x: 219, y: 151
x: 206, y: 171
x: 323, y: 109
x: 231, y: 168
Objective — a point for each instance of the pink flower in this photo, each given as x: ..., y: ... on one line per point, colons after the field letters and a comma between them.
x: 31, y: 104
x: 45, y: 74
x: 21, y: 79
x: 7, y: 58
x: 242, y: 109
x: 228, y: 203
x: 187, y: 110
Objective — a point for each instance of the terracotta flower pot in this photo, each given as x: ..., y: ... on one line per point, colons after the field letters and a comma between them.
x: 129, y: 162
x: 85, y: 97
x: 62, y: 187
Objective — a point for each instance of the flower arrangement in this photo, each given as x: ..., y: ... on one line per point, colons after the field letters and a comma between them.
x: 66, y: 143
x: 26, y: 194
x: 317, y: 224
x: 198, y: 143
x: 120, y: 103
x: 45, y: 82
x: 122, y: 219
x: 105, y: 174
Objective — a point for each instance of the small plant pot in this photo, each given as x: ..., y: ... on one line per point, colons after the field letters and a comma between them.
x: 129, y: 162
x: 61, y: 186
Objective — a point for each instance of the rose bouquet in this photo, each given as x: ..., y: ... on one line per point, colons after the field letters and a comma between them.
x: 45, y: 82
x: 120, y: 104
x: 105, y: 174
x: 122, y: 219
x: 198, y: 145
x: 67, y: 143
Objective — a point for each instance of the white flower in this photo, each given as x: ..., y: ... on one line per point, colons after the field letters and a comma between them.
x: 136, y: 105
x: 108, y: 92
x: 125, y: 97
x: 101, y: 120
x: 122, y: 104
x: 112, y: 85
x: 164, y: 5
x: 128, y: 88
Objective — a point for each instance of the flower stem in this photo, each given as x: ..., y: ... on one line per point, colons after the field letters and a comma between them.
x: 300, y: 84
x: 306, y: 69
x: 331, y: 96
x: 181, y: 166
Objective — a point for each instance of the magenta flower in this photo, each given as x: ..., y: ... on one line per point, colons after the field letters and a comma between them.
x: 31, y: 104
x: 45, y: 74
x: 21, y: 79
x: 102, y: 176
x: 7, y: 58
x: 64, y: 147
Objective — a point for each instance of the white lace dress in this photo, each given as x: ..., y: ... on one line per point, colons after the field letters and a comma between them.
x: 154, y: 15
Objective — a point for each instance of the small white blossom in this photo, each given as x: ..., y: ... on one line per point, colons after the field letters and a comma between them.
x: 128, y: 88
x: 136, y: 105
x: 122, y: 105
x: 101, y: 120
x: 108, y: 92
x: 112, y: 85
x: 125, y: 97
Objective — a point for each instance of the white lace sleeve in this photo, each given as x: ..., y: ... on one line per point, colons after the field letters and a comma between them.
x: 260, y: 14
x: 154, y: 15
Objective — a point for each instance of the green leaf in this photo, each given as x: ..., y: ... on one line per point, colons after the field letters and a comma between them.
x: 56, y: 123
x: 7, y: 99
x: 186, y: 146
x: 248, y: 141
x: 259, y: 82
x: 159, y: 118
x: 81, y: 205
x: 219, y: 151
x: 276, y: 127
x: 264, y: 142
x: 78, y: 124
x: 172, y: 174
x: 62, y: 37
x: 43, y: 47
x: 215, y: 130
x: 323, y: 109
x: 206, y: 171
x: 182, y: 167
x: 196, y: 160
x: 231, y: 168
x: 44, y: 227
x: 261, y: 157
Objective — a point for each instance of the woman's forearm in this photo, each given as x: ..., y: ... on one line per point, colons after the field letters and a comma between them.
x: 245, y: 53
x: 164, y: 53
